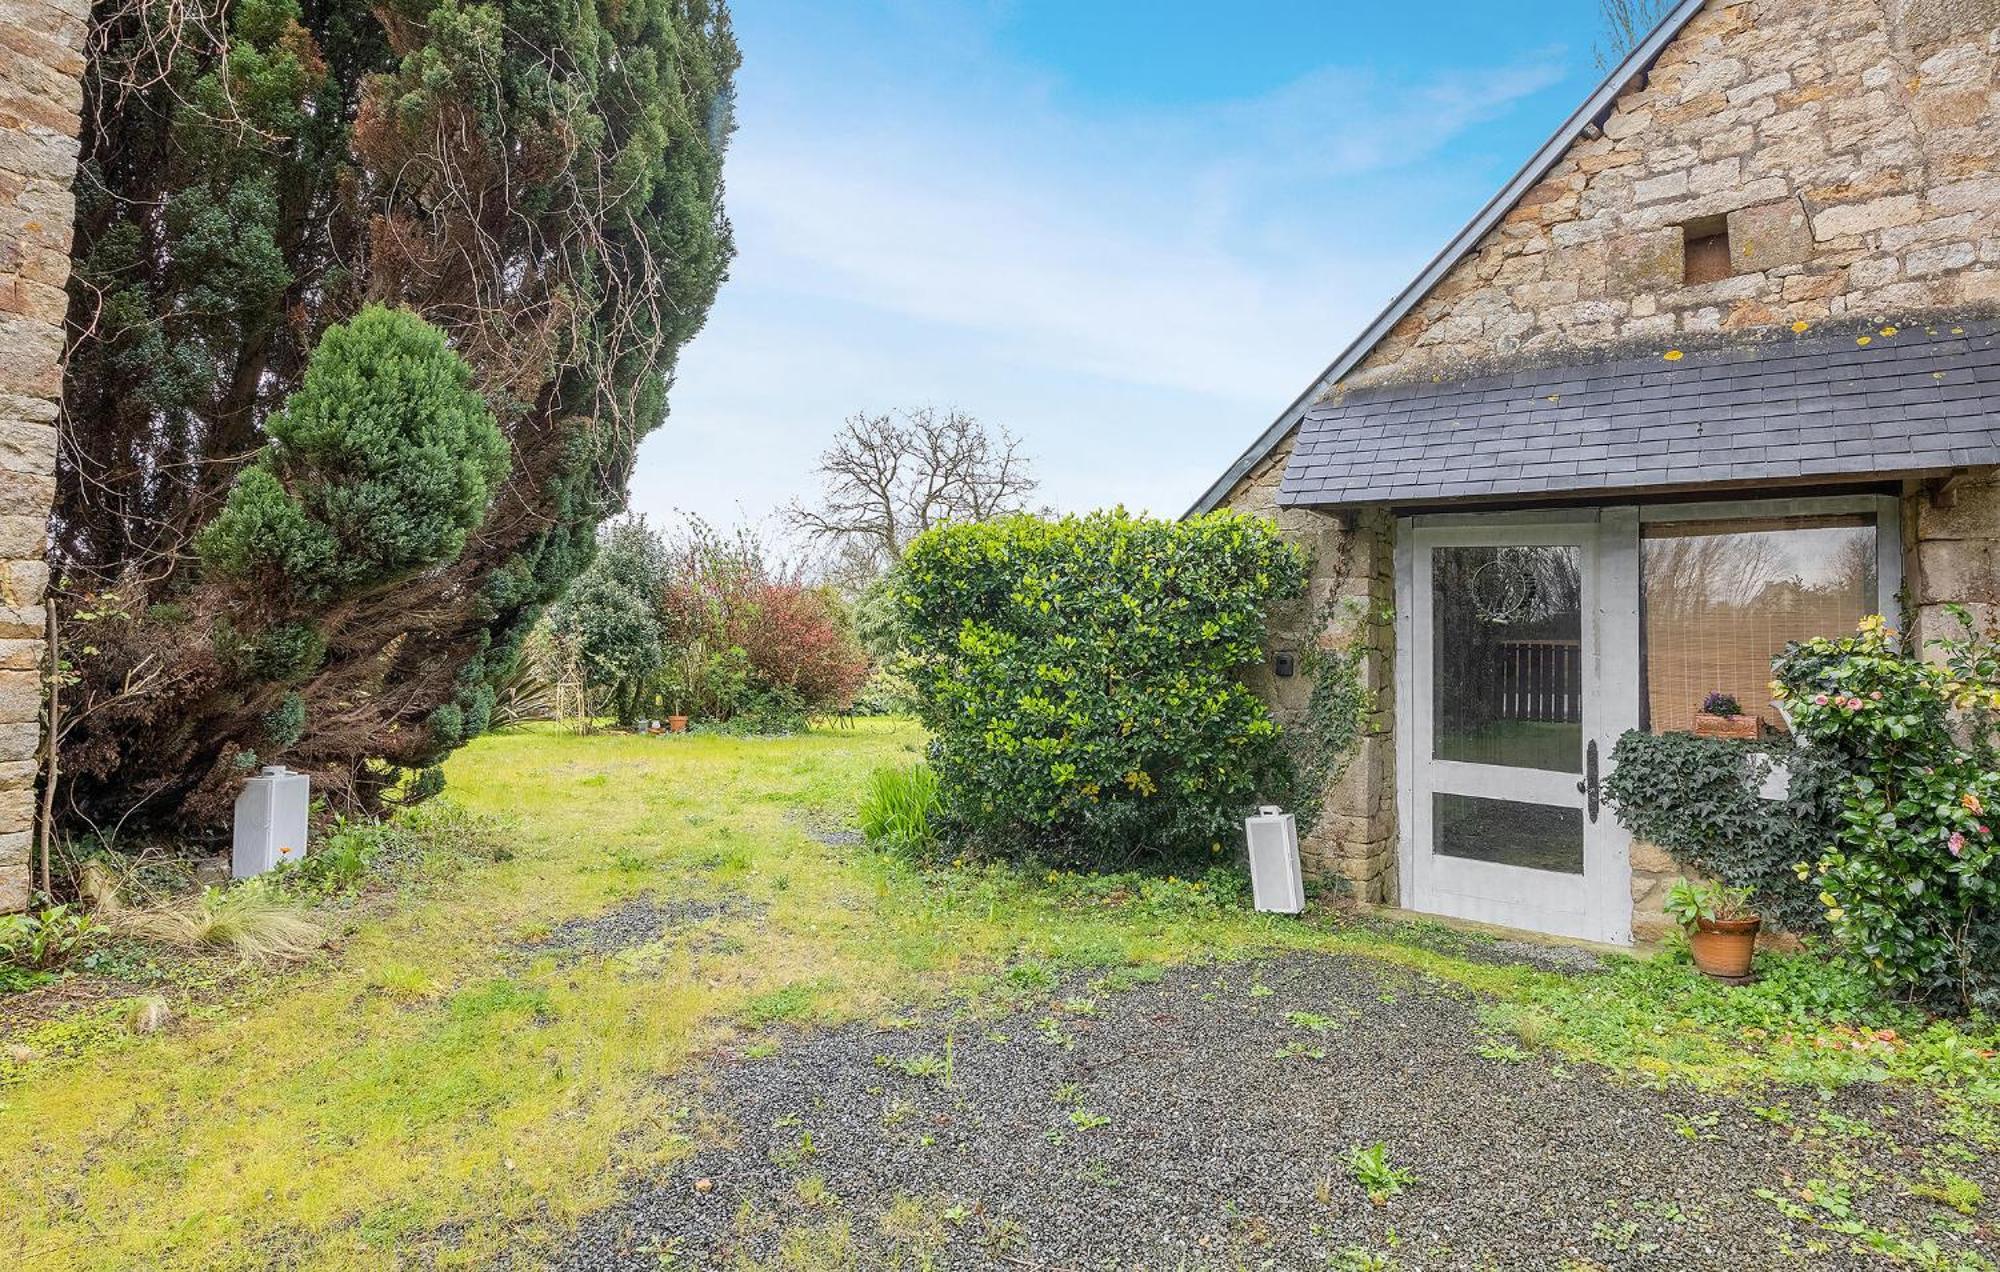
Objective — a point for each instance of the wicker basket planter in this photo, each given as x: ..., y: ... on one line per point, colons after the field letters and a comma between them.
x: 1746, y: 727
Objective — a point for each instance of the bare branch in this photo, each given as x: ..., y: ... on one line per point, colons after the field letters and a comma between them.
x: 886, y: 480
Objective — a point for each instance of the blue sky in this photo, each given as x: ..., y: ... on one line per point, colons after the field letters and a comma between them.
x: 1130, y: 232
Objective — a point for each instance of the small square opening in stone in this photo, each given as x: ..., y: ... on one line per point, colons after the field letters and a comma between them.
x: 1705, y: 254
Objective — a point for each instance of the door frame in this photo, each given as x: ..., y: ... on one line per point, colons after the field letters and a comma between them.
x: 1616, y: 611
x: 1611, y: 681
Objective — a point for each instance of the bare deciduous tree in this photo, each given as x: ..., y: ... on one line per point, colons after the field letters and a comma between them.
x: 886, y: 479
x: 1626, y: 22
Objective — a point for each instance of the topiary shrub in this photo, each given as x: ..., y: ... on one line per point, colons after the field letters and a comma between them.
x: 1079, y: 679
x: 377, y: 466
x: 1911, y: 881
x: 1698, y: 798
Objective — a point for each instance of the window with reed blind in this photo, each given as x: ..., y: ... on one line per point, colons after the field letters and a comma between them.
x: 1722, y: 598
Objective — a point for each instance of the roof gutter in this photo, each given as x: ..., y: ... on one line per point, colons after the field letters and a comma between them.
x: 1595, y: 109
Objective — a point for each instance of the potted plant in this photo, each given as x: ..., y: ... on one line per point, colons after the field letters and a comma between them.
x: 1721, y: 927
x: 1721, y: 716
x: 678, y: 682
x: 677, y: 722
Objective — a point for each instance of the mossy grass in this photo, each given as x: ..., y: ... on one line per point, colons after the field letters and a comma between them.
x: 450, y: 1082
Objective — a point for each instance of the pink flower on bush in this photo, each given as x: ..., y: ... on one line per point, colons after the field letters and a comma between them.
x: 1956, y: 843
x: 1819, y: 700
x: 1877, y: 695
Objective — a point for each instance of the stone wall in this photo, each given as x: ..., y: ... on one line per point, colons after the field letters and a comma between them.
x: 1851, y: 147
x: 41, y: 69
x: 1349, y: 602
x: 1952, y: 552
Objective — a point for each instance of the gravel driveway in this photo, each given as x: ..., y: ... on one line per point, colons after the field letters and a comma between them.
x: 1204, y: 1120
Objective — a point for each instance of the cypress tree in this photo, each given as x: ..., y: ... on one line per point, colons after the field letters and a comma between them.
x: 372, y: 304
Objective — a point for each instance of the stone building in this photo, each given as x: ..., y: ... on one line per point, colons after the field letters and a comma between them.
x: 41, y: 76
x: 1719, y: 368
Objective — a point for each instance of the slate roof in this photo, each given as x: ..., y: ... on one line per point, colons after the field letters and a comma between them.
x: 1824, y: 405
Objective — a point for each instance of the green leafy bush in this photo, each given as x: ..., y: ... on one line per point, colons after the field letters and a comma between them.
x: 886, y: 692
x: 1698, y: 798
x: 608, y: 620
x: 378, y: 465
x: 1078, y: 677
x: 44, y: 940
x: 897, y: 808
x: 1911, y: 883
x: 341, y: 858
x: 707, y: 626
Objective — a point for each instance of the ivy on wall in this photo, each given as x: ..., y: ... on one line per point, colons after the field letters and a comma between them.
x: 1699, y: 799
x: 1324, y: 739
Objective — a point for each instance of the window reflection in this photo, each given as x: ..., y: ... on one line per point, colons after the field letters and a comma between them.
x: 1722, y: 598
x: 1508, y: 833
x: 1506, y: 641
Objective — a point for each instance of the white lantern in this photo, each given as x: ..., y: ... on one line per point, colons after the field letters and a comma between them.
x: 270, y: 821
x: 1275, y: 880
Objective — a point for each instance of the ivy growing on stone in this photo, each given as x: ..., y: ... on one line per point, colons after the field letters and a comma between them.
x: 1324, y: 738
x: 1700, y: 800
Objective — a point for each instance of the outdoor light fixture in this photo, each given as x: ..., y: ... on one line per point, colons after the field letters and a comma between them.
x: 1274, y: 861
x: 270, y: 821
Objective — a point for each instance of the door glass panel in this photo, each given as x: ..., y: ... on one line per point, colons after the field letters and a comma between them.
x: 1508, y: 833
x: 1506, y: 656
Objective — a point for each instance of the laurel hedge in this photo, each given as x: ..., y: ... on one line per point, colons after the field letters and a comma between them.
x: 1079, y: 677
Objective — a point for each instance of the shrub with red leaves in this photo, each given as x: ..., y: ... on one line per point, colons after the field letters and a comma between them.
x: 798, y: 638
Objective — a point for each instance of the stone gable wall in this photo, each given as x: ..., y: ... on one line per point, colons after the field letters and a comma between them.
x: 1349, y: 603
x: 1852, y: 149
x: 41, y: 93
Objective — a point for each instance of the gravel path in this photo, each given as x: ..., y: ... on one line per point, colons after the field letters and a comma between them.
x: 1204, y: 1121
x: 644, y: 918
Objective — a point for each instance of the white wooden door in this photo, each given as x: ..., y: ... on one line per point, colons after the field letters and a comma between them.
x: 1522, y: 643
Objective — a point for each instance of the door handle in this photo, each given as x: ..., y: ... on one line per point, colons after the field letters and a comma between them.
x: 1587, y: 785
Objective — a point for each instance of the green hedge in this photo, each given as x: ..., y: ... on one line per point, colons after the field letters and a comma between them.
x: 1079, y: 679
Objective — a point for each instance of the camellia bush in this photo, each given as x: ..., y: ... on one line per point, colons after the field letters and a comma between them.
x: 1079, y: 679
x: 1911, y: 883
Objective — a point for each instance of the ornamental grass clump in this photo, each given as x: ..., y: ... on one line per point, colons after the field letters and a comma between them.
x: 898, y: 807
x: 1911, y: 882
x: 253, y: 922
x: 1079, y: 678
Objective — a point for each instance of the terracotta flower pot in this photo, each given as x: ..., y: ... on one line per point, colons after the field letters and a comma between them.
x: 1730, y: 726
x: 677, y: 724
x: 1723, y: 947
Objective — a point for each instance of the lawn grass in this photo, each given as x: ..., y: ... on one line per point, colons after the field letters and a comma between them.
x: 445, y: 1084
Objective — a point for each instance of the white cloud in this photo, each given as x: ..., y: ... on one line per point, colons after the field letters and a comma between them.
x: 1135, y: 294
